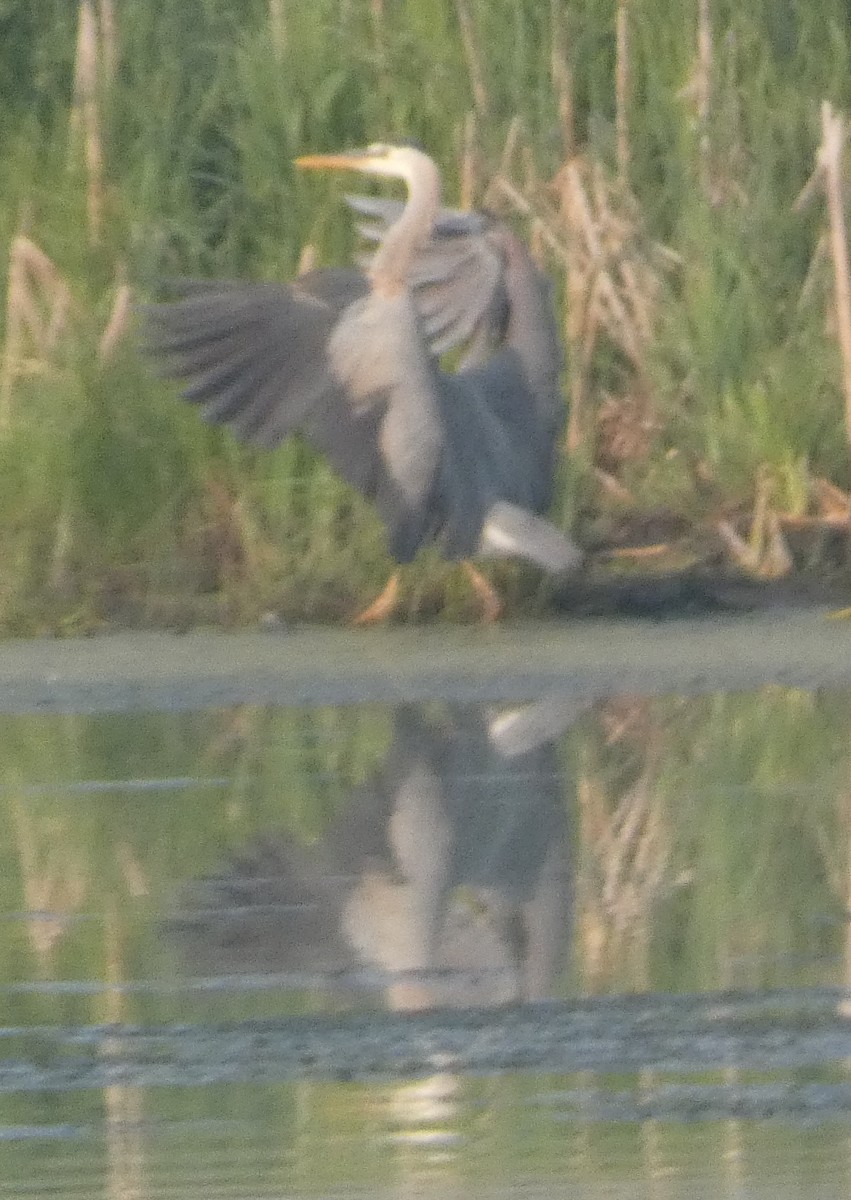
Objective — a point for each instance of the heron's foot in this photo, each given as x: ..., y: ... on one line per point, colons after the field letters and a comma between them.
x: 487, y: 595
x: 383, y: 606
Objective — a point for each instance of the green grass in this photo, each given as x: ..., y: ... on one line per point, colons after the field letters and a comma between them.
x: 116, y: 504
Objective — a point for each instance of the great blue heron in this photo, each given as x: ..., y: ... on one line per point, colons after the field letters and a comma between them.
x: 348, y: 358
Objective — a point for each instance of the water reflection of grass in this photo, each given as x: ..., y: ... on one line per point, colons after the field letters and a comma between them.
x: 715, y: 835
x: 711, y: 833
x: 473, y: 1138
x: 101, y: 866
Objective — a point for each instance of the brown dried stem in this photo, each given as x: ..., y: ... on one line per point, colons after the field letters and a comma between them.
x: 85, y: 116
x: 278, y: 28
x: 593, y: 228
x: 37, y: 304
x: 703, y: 85
x: 474, y: 60
x: 119, y: 320
x: 830, y: 163
x: 622, y: 92
x: 562, y: 78
x: 469, y: 163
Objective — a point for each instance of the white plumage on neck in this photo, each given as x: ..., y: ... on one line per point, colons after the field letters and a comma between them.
x: 391, y: 265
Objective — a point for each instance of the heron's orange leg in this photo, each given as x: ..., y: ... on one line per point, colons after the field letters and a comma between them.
x: 488, y: 596
x: 383, y: 606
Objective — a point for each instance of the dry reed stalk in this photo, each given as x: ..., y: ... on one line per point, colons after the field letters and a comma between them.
x: 51, y: 881
x: 639, y: 296
x: 538, y: 243
x: 830, y: 167
x: 834, y: 504
x: 278, y: 28
x: 469, y: 163
x: 586, y: 223
x: 37, y: 305
x: 765, y: 553
x: 817, y: 261
x: 126, y: 1145
x: 703, y: 86
x: 474, y: 60
x: 593, y: 228
x: 622, y: 495
x: 109, y: 40
x: 775, y: 558
x: 653, y: 853
x: 844, y: 1006
x: 622, y: 92
x: 59, y: 574
x: 583, y: 329
x: 116, y: 326
x: 124, y: 1107
x: 307, y: 259
x: 562, y: 79
x: 630, y: 848
x: 503, y: 188
x: 617, y: 846
x: 512, y: 142
x: 86, y: 117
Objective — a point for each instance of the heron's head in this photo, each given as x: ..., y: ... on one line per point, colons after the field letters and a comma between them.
x: 392, y: 161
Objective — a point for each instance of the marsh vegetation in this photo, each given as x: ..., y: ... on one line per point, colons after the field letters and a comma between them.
x: 660, y: 159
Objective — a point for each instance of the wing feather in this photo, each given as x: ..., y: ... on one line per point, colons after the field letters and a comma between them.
x: 457, y: 278
x: 323, y: 357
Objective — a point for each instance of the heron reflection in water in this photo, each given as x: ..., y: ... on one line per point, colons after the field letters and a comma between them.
x: 349, y: 359
x: 447, y: 880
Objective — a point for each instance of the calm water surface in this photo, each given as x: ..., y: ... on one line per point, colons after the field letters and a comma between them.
x: 594, y: 949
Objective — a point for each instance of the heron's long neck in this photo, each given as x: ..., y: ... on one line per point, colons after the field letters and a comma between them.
x: 392, y: 263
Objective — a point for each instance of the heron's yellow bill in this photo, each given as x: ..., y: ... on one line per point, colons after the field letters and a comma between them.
x: 318, y: 162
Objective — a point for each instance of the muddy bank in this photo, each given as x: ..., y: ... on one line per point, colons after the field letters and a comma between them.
x: 788, y: 1029
x: 511, y: 662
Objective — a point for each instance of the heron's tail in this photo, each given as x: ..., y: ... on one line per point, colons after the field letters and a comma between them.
x: 513, y: 532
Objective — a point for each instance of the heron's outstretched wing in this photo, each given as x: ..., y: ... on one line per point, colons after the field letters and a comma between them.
x: 324, y: 357
x: 456, y: 279
x: 251, y: 355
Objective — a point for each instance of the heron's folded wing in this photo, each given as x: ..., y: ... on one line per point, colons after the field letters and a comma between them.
x: 379, y: 214
x: 456, y: 279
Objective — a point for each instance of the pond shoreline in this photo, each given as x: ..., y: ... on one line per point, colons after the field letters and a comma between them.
x: 510, y: 662
x: 772, y: 1031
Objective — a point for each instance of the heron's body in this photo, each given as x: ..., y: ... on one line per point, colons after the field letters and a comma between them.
x: 349, y: 359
